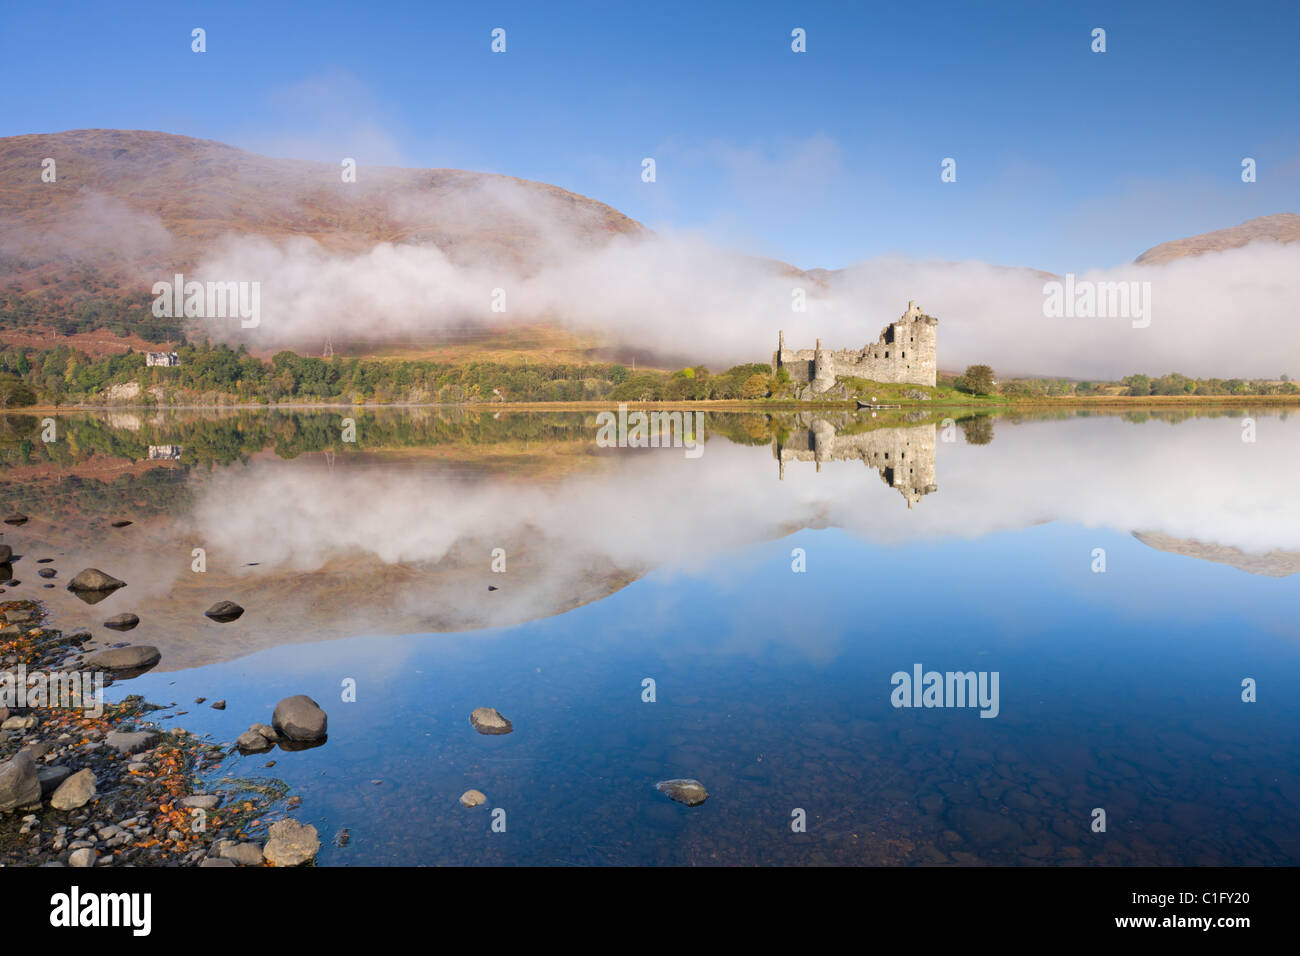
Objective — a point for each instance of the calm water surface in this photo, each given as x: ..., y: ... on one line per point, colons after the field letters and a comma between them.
x: 969, y: 546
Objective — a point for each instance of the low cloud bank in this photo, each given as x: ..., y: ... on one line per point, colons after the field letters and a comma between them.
x: 1227, y: 314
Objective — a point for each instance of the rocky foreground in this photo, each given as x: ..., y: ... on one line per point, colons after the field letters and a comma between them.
x: 116, y: 790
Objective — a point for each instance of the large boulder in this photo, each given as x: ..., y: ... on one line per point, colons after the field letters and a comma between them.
x: 291, y: 844
x: 75, y: 792
x: 19, y: 784
x: 300, y: 718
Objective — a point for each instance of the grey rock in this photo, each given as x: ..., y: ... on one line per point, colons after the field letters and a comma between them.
x: 6, y: 553
x: 131, y: 743
x: 83, y: 857
x: 75, y: 792
x: 93, y: 579
x: 39, y: 750
x: 292, y: 843
x: 224, y: 611
x: 245, y: 854
x: 488, y: 720
x: 19, y: 723
x: 250, y: 741
x: 300, y: 718
x: 50, y: 778
x: 19, y: 784
x: 133, y: 657
x: 216, y: 861
x: 201, y: 801
x: 122, y: 622
x: 687, y: 791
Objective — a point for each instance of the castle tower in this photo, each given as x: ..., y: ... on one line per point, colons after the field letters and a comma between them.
x: 823, y: 369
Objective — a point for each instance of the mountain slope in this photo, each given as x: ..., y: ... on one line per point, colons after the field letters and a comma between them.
x: 1284, y: 227
x: 172, y: 194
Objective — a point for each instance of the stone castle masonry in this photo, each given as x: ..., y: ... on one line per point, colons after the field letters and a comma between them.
x: 904, y: 354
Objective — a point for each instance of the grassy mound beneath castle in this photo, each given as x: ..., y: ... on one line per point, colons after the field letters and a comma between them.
x: 885, y: 393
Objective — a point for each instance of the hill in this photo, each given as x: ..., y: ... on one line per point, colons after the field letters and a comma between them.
x: 1284, y: 227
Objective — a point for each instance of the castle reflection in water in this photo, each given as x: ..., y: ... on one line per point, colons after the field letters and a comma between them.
x: 904, y: 457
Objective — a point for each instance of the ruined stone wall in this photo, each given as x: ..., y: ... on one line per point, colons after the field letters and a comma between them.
x: 905, y: 353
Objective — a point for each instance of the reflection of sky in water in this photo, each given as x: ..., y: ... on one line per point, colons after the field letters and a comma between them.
x: 1118, y: 690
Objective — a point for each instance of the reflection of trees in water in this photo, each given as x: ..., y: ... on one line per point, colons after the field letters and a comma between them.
x: 226, y: 438
x: 977, y: 430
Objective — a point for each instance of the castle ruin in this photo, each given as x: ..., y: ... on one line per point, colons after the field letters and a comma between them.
x: 904, y: 354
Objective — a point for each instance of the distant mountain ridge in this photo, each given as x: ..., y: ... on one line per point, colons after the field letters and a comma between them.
x: 200, y: 189
x: 1284, y: 227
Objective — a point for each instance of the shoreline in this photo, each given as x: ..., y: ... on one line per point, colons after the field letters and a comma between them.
x: 117, y: 788
x: 1106, y: 401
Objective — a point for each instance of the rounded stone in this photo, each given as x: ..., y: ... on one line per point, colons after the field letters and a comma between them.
x: 488, y: 720
x: 133, y: 658
x: 472, y: 798
x: 75, y: 792
x: 687, y: 791
x: 300, y: 718
x: 93, y: 579
x: 223, y: 612
x: 291, y: 844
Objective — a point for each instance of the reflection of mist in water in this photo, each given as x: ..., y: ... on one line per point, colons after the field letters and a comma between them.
x: 399, y: 540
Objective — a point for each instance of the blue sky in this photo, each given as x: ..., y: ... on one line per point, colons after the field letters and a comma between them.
x: 1066, y: 159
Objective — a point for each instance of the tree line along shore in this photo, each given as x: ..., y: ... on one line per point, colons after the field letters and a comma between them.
x: 218, y: 375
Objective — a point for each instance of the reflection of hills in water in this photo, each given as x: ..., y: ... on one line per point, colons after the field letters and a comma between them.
x: 322, y: 539
x: 1274, y: 564
x: 904, y: 457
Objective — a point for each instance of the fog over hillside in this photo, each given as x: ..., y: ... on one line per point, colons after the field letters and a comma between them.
x: 680, y: 294
x: 420, y: 253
